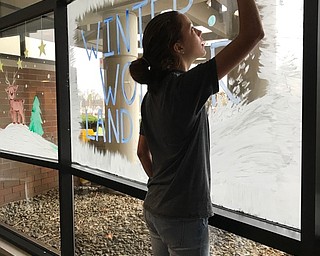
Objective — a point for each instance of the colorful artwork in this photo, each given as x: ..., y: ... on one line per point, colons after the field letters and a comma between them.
x: 22, y: 122
x: 35, y: 120
x: 255, y: 119
x: 16, y: 105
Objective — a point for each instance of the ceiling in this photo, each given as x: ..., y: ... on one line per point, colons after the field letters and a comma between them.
x: 223, y: 10
x: 226, y: 25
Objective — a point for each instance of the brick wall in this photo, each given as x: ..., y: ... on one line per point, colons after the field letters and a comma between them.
x: 32, y: 82
x: 20, y: 181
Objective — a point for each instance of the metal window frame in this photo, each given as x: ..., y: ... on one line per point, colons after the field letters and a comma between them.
x: 245, y: 226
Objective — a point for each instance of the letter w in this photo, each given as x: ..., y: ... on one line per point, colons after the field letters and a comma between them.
x: 93, y: 50
x: 110, y: 95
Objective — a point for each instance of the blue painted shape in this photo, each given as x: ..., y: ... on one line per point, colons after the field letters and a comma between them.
x: 212, y: 20
x: 109, y: 52
x: 123, y: 113
x: 111, y: 95
x: 138, y: 7
x: 185, y: 9
x: 112, y: 126
x: 93, y: 50
x: 236, y: 100
x: 128, y: 101
x: 152, y: 8
x: 89, y: 137
x: 125, y: 38
x: 100, y: 122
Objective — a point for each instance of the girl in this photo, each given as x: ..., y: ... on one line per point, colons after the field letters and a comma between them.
x: 174, y: 142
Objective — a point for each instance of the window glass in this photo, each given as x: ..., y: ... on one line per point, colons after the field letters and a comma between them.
x: 108, y: 222
x: 28, y: 118
x: 27, y: 192
x: 256, y: 123
x: 111, y: 223
x: 105, y: 100
x: 11, y: 6
x: 255, y: 119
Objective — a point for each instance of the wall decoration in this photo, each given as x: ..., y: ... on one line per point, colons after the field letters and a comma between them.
x: 16, y: 105
x: 35, y: 119
x: 26, y: 52
x: 18, y: 138
x: 26, y: 126
x: 255, y: 119
x: 42, y: 45
x: 19, y: 63
x: 42, y: 48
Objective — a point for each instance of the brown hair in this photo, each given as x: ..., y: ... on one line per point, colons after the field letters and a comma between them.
x: 159, y: 37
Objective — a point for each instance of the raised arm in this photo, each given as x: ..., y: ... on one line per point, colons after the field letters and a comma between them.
x: 250, y: 33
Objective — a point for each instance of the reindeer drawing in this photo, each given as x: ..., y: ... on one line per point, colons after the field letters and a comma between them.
x: 16, y: 105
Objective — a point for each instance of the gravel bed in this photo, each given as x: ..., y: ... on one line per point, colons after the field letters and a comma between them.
x: 107, y: 223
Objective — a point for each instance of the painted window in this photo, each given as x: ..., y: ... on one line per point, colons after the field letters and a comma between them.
x: 28, y: 118
x: 255, y: 119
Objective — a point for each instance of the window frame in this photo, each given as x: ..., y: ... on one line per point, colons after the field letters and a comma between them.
x: 243, y: 225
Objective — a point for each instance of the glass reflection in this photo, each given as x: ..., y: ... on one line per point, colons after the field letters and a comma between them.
x: 10, y: 6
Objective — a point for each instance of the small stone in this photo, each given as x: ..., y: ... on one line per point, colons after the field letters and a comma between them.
x: 107, y: 223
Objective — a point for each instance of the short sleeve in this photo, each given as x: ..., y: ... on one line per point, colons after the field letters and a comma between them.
x: 198, y: 84
x: 141, y: 129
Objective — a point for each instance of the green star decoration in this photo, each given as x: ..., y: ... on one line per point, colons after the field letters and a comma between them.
x: 1, y: 66
x: 19, y: 63
x: 42, y: 48
x: 26, y: 53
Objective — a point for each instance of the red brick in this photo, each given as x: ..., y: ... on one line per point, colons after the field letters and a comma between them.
x: 23, y: 194
x: 11, y: 183
x: 15, y: 164
x: 6, y: 160
x: 12, y: 173
x: 32, y: 172
x: 5, y: 191
x: 18, y: 188
x: 27, y: 168
x: 29, y: 179
x: 22, y: 174
x: 31, y: 185
x: 45, y: 170
x: 48, y: 180
x: 40, y: 176
x: 5, y: 166
x: 1, y: 200
x: 12, y: 197
x: 53, y: 185
x: 41, y: 188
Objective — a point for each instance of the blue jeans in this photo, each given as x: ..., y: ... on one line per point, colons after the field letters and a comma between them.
x: 178, y: 237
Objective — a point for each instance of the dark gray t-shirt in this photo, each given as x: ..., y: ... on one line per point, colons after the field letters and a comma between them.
x: 175, y: 123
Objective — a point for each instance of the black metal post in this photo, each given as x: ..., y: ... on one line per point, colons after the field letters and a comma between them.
x: 317, y: 206
x: 64, y: 133
x: 310, y: 140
